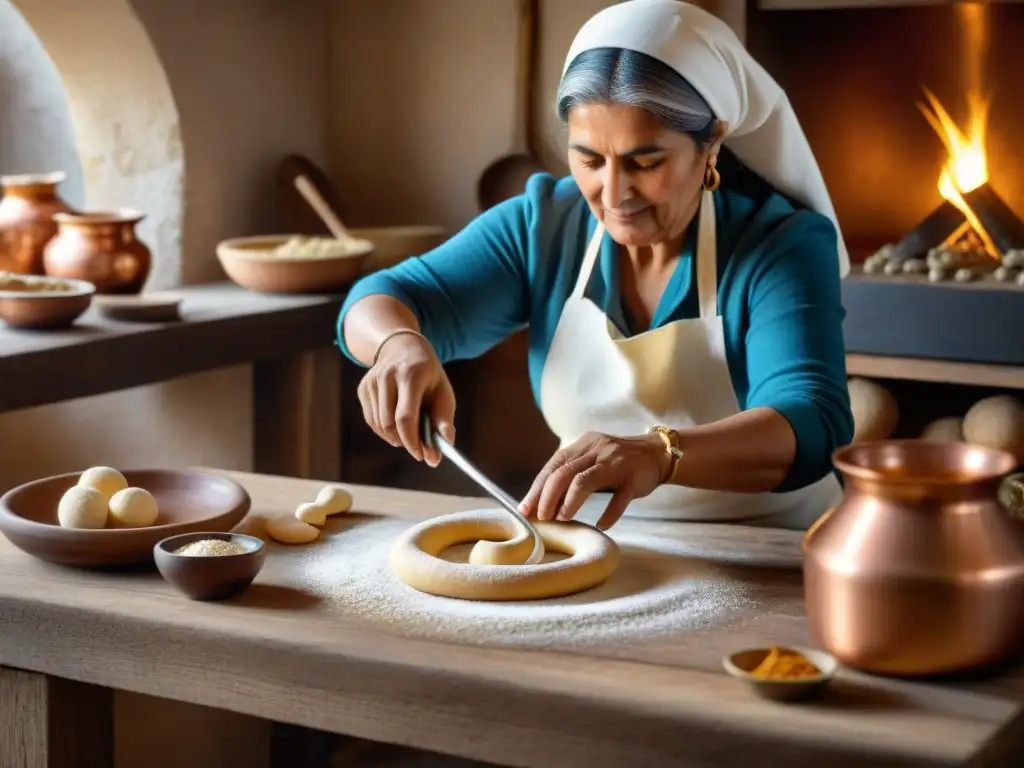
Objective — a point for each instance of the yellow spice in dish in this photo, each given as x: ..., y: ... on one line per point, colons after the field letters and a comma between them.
x: 784, y: 664
x: 210, y: 547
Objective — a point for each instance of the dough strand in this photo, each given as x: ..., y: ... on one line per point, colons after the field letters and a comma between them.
x: 415, y: 558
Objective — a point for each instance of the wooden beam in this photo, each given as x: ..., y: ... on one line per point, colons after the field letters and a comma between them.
x: 297, y: 415
x: 50, y: 722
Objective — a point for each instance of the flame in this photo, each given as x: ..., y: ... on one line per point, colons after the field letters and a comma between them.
x: 966, y: 166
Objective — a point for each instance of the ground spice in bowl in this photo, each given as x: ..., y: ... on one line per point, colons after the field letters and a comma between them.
x: 785, y: 664
x: 210, y: 547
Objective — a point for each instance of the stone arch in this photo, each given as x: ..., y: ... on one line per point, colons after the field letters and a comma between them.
x: 126, y: 123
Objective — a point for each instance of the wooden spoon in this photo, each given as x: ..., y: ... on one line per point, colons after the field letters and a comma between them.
x: 323, y: 210
x: 506, y: 177
x: 297, y: 216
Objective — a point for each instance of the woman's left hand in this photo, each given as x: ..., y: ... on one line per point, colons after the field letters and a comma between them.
x: 629, y: 467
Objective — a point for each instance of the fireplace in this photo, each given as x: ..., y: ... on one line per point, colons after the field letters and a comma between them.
x: 915, y: 117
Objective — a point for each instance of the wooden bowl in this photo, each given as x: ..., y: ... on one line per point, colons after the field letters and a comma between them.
x: 251, y: 263
x: 741, y: 663
x: 188, y: 502
x: 210, y: 577
x: 147, y: 308
x: 44, y: 309
x: 392, y: 245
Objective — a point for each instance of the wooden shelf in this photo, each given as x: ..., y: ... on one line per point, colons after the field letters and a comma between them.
x: 945, y: 371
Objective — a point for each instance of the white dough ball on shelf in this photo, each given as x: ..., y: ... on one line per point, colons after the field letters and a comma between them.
x: 334, y: 500
x: 997, y: 422
x: 82, y: 507
x: 875, y: 413
x: 133, y: 508
x: 106, y: 480
x: 948, y: 430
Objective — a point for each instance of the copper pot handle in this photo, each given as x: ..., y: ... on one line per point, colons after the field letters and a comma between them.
x: 814, y: 527
x: 1011, y: 495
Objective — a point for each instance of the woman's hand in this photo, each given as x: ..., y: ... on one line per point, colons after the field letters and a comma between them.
x: 406, y: 379
x: 630, y: 467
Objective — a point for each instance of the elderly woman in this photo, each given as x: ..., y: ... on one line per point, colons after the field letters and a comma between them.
x: 681, y: 290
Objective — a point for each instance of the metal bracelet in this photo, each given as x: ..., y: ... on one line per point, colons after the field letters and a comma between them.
x: 392, y: 335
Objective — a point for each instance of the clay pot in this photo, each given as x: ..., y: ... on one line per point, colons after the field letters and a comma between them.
x: 26, y: 220
x: 919, y: 570
x: 101, y: 248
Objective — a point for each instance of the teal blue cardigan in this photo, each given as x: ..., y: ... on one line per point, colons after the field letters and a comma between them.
x: 778, y: 274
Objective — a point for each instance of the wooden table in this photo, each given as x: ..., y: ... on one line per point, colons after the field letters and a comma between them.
x: 288, y: 339
x: 267, y: 654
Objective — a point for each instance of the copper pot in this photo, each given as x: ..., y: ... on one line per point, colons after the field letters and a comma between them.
x: 919, y: 570
x: 101, y: 248
x: 26, y: 220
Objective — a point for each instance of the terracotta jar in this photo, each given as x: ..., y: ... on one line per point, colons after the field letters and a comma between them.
x: 919, y: 570
x: 101, y: 248
x: 26, y: 220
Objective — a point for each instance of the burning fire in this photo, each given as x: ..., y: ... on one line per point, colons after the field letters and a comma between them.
x: 966, y: 166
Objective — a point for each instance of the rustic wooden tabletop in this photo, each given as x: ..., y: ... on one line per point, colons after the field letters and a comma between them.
x: 274, y: 653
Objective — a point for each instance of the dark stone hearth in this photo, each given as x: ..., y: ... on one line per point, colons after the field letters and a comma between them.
x: 910, y: 317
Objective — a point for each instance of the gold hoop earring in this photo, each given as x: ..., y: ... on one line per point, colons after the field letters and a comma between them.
x: 712, y: 178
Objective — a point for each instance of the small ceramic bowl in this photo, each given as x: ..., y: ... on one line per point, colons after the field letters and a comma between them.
x: 210, y: 577
x: 23, y: 307
x: 251, y: 263
x: 147, y: 308
x: 188, y: 502
x: 741, y: 663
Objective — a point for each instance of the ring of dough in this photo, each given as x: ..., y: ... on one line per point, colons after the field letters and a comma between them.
x: 415, y: 558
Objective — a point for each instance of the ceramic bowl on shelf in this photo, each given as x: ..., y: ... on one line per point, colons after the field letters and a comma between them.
x: 210, y: 577
x: 41, y: 303
x: 188, y: 502
x: 257, y: 263
x: 394, y: 244
x: 741, y: 665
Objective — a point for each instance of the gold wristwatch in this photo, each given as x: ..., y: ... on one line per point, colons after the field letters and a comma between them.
x: 671, y: 440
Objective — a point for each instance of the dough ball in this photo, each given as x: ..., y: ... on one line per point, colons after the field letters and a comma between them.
x: 949, y: 430
x: 133, y: 508
x: 106, y: 480
x: 82, y: 507
x: 313, y: 514
x: 288, y: 530
x: 875, y: 412
x: 334, y: 500
x: 1011, y: 495
x: 997, y: 422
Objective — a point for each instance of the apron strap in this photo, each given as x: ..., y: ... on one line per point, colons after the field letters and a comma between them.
x: 707, y: 258
x: 589, y: 258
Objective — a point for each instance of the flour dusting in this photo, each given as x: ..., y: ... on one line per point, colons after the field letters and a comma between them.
x: 660, y: 587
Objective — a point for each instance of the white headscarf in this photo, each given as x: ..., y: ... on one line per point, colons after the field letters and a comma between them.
x: 763, y: 131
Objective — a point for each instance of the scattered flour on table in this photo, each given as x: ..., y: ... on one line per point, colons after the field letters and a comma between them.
x: 660, y: 587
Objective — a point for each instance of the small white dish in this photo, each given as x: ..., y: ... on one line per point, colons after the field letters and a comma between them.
x: 740, y: 664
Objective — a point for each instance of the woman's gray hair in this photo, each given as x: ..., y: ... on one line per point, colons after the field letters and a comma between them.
x: 620, y: 76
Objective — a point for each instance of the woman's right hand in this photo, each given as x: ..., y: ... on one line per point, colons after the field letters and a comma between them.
x: 407, y: 379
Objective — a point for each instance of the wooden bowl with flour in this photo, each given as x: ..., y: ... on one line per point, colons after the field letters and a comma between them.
x: 294, y: 263
x: 42, y: 303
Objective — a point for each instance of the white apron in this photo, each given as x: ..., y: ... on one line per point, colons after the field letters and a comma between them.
x: 595, y: 380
